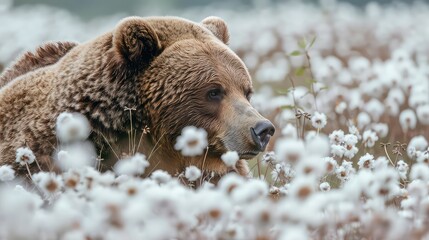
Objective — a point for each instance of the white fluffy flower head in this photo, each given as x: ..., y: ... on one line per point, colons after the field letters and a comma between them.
x: 134, y: 165
x: 366, y: 161
x: 6, y: 173
x: 369, y: 138
x: 72, y: 127
x: 408, y: 120
x: 230, y: 158
x: 192, y: 142
x: 318, y: 120
x: 76, y: 155
x: 24, y: 155
x: 192, y: 173
x: 290, y: 150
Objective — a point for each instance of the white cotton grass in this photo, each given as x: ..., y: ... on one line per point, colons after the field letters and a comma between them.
x: 423, y: 114
x: 318, y: 120
x: 363, y: 120
x: 402, y: 168
x: 72, y: 127
x: 24, y: 156
x: 289, y: 131
x: 324, y: 187
x: 6, y: 173
x: 416, y: 145
x: 366, y: 161
x: 192, y: 142
x: 382, y: 129
x: 132, y: 166
x: 230, y: 158
x: 289, y: 150
x: 160, y: 176
x: 408, y: 120
x: 49, y: 183
x: 318, y: 146
x: 350, y: 150
x: 192, y: 173
x: 336, y: 137
x: 76, y: 155
x: 369, y: 138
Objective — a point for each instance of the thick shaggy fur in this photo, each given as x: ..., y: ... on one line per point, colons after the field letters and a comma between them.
x: 160, y: 67
x: 44, y: 55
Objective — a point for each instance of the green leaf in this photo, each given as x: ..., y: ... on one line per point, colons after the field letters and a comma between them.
x: 312, y: 42
x: 287, y: 107
x: 302, y: 43
x: 296, y: 53
x: 300, y: 71
x: 284, y: 91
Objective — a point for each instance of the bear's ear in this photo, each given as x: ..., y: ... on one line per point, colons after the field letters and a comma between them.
x: 218, y: 27
x: 135, y: 40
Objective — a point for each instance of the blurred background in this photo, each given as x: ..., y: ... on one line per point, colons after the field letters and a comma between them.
x: 95, y: 8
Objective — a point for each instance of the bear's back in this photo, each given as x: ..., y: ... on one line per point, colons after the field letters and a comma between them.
x: 43, y: 56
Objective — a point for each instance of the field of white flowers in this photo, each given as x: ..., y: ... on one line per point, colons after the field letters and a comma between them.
x: 348, y: 91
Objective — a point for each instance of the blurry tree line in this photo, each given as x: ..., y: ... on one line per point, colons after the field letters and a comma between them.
x: 92, y: 8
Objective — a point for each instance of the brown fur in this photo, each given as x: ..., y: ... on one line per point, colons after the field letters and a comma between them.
x: 161, y: 67
x: 44, y: 55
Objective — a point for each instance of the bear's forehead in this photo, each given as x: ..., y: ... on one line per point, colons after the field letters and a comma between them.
x: 213, y: 60
x: 200, y: 49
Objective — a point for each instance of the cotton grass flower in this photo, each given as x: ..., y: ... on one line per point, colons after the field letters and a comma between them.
x: 423, y: 114
x: 336, y: 137
x: 318, y: 120
x: 366, y: 161
x: 350, y: 149
x: 324, y: 187
x: 301, y: 188
x: 72, y: 127
x: 24, y: 156
x: 382, y: 129
x: 132, y: 166
x: 337, y: 150
x: 192, y: 173
x: 49, y: 183
x: 419, y: 171
x: 289, y: 150
x: 363, y: 120
x: 76, y: 155
x: 230, y: 158
x: 160, y: 176
x: 289, y: 131
x: 408, y: 120
x: 340, y: 108
x: 416, y: 144
x: 369, y: 138
x: 318, y: 146
x: 192, y: 142
x: 402, y: 168
x: 6, y: 173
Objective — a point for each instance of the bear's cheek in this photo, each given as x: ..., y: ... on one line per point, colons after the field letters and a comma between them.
x: 238, y: 118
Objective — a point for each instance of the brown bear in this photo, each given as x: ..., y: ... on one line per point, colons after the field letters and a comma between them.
x: 170, y: 71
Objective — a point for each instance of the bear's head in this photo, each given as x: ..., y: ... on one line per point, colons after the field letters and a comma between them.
x: 188, y: 76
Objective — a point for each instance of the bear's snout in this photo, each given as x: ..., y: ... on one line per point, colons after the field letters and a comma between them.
x: 261, y: 134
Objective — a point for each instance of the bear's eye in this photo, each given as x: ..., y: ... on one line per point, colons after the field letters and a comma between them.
x: 215, y: 94
x: 248, y: 94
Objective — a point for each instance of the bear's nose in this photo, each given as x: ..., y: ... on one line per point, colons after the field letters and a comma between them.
x: 262, y: 133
